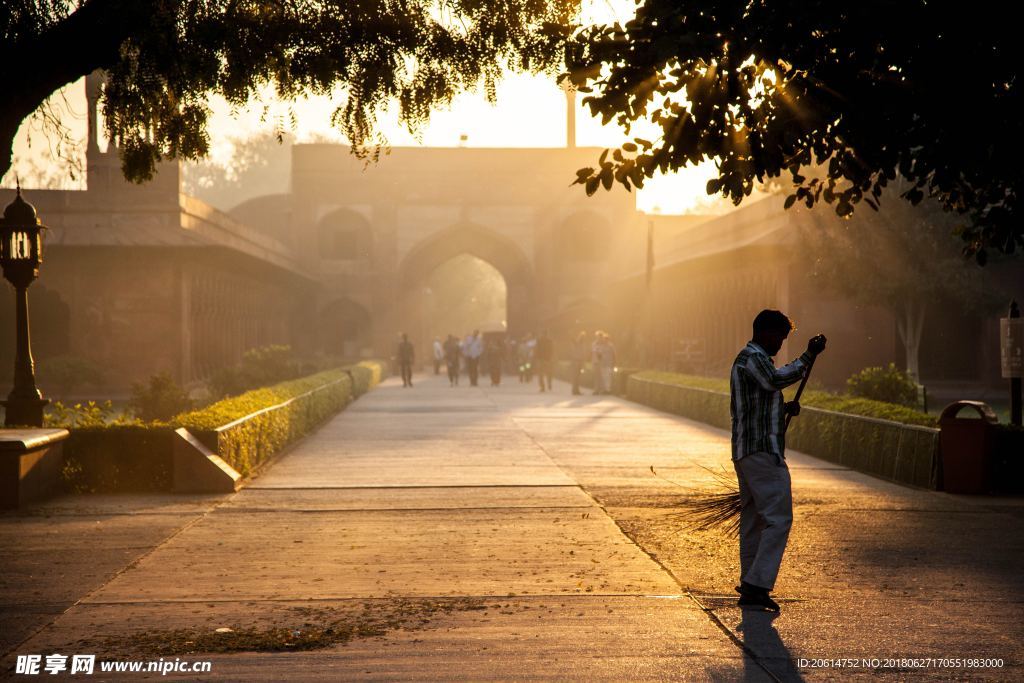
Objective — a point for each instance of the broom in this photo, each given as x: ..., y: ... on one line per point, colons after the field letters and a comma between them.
x: 719, y: 508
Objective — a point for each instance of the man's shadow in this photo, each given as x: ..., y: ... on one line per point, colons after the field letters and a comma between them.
x: 758, y: 633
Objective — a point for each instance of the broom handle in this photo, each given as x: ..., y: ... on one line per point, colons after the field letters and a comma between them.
x: 800, y: 389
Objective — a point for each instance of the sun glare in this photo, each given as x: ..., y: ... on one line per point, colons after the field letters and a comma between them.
x: 530, y: 111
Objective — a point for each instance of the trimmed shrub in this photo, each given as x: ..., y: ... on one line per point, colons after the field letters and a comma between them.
x: 89, y: 414
x: 259, y: 367
x: 159, y: 399
x: 815, y: 399
x: 365, y: 376
x: 245, y: 430
x: 883, y: 439
x: 118, y: 458
x: 889, y: 385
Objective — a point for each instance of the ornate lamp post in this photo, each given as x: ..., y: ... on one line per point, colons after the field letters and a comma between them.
x: 21, y: 252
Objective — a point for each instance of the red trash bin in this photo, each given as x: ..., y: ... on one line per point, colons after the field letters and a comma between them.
x: 965, y: 445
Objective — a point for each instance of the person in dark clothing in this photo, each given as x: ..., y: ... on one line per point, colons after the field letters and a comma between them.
x: 544, y: 355
x: 493, y: 358
x: 451, y: 359
x: 525, y: 353
x: 406, y: 357
x: 759, y: 411
x: 579, y: 357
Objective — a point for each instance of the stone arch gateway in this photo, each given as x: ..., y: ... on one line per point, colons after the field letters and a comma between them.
x: 500, y: 252
x: 423, y: 207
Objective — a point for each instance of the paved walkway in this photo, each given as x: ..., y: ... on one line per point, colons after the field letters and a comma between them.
x: 478, y: 534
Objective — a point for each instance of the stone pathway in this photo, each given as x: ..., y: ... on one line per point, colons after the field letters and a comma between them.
x: 494, y: 534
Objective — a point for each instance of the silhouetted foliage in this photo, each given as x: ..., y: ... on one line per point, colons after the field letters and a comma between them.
x: 889, y: 384
x: 164, y: 58
x: 260, y: 367
x: 158, y: 399
x: 864, y: 91
x: 903, y: 259
x: 65, y: 374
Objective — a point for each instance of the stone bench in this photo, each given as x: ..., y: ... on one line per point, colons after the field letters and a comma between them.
x: 31, y: 461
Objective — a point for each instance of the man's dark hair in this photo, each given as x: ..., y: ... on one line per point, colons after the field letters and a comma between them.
x: 770, y: 320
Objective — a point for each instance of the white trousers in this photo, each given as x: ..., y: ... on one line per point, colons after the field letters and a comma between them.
x: 765, y: 518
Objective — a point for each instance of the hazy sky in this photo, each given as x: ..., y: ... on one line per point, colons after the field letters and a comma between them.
x: 530, y: 112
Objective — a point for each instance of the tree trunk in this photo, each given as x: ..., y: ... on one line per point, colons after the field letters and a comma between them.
x: 909, y: 325
x: 35, y: 67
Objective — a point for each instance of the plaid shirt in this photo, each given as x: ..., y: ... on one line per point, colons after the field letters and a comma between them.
x: 758, y: 418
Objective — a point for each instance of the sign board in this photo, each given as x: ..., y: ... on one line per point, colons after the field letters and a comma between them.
x: 689, y: 350
x: 1011, y: 347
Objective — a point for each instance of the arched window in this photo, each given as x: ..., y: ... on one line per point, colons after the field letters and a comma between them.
x: 345, y: 236
x: 346, y: 328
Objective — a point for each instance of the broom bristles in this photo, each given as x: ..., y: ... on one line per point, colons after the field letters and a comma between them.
x: 713, y: 509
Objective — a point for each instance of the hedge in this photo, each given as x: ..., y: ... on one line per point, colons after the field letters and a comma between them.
x: 244, y: 430
x: 118, y: 458
x: 901, y: 449
x: 850, y: 405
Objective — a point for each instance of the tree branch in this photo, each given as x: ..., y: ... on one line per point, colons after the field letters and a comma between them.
x: 39, y: 65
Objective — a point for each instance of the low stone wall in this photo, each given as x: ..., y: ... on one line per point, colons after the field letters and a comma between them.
x: 248, y: 442
x: 245, y: 431
x: 906, y: 454
x: 31, y: 461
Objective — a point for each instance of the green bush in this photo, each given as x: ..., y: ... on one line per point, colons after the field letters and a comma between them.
x: 117, y: 458
x: 159, y: 399
x: 259, y: 367
x: 276, y: 415
x: 233, y: 408
x: 816, y: 399
x: 106, y: 452
x: 81, y: 415
x: 889, y: 385
x: 902, y: 447
x: 65, y: 374
x: 365, y: 376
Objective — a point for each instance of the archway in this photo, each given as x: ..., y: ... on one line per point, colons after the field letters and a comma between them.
x: 345, y: 329
x: 463, y: 294
x: 463, y: 251
x: 344, y: 235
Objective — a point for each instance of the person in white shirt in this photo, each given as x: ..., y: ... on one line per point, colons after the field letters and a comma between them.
x: 473, y: 348
x: 438, y: 355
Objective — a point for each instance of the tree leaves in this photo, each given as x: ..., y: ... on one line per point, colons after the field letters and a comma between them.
x: 843, y: 102
x: 165, y: 58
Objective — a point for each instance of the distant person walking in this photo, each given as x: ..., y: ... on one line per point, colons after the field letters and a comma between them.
x: 406, y: 357
x: 438, y: 355
x: 602, y: 362
x: 473, y: 348
x: 577, y: 358
x: 544, y: 355
x: 758, y: 452
x: 511, y: 355
x: 526, y: 347
x: 493, y: 359
x: 451, y: 357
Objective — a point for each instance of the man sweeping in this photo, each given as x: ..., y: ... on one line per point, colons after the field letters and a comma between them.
x: 758, y: 452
